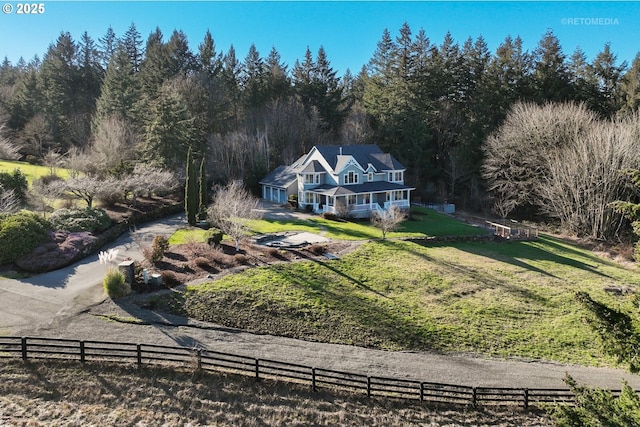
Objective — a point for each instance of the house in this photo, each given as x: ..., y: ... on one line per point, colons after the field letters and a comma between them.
x: 357, y: 179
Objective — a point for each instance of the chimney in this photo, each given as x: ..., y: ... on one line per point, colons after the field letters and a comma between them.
x: 341, y: 150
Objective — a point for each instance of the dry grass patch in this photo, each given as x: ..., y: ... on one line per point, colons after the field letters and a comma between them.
x: 68, y: 394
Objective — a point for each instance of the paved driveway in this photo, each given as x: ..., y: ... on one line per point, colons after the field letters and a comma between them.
x: 26, y: 304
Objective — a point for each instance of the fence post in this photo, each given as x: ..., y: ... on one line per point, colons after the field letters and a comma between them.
x: 421, y: 392
x: 198, y: 359
x: 368, y: 386
x: 82, y: 354
x: 313, y: 380
x: 257, y: 369
x: 526, y: 398
x: 23, y: 343
x: 139, y: 354
x: 474, y: 397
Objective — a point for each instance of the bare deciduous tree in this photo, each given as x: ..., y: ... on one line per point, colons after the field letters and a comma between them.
x: 232, y: 209
x: 86, y: 187
x: 564, y: 161
x: 388, y: 220
x: 515, y: 156
x: 114, y: 141
x: 8, y: 151
x: 9, y: 201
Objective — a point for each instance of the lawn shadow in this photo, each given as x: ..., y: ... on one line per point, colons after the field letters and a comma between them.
x: 478, y: 276
x: 517, y: 252
x: 375, y: 320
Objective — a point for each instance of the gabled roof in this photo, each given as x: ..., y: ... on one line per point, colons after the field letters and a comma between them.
x: 313, y: 166
x: 363, y: 154
x: 337, y: 157
x: 282, y: 176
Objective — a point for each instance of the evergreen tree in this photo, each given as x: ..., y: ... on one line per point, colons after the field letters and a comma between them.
x: 253, y: 79
x: 607, y: 76
x: 107, y: 47
x: 90, y: 76
x: 203, y: 187
x: 120, y: 89
x: 231, y: 81
x: 278, y: 84
x: 154, y: 66
x: 59, y: 85
x: 132, y: 42
x: 208, y: 60
x: 550, y: 72
x: 630, y: 87
x: 169, y: 131
x: 180, y: 61
x: 191, y: 191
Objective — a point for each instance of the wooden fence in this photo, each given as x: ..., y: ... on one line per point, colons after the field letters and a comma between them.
x: 513, y: 232
x: 200, y: 358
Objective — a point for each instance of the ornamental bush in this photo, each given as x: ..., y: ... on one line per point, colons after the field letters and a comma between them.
x: 114, y: 284
x: 20, y: 233
x: 16, y: 181
x: 74, y: 220
x: 213, y: 236
x: 158, y: 248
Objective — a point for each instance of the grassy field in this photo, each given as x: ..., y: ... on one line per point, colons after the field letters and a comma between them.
x: 502, y: 299
x: 68, y: 394
x: 32, y: 172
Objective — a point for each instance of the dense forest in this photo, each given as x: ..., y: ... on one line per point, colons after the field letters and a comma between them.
x: 432, y: 104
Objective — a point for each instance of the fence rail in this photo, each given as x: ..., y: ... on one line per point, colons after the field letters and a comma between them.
x: 200, y: 358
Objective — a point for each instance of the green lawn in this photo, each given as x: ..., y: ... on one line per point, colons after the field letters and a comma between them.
x: 504, y: 299
x: 32, y: 172
x: 424, y: 222
x: 186, y: 235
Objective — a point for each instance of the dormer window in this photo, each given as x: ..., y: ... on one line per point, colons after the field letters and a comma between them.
x: 395, y: 176
x: 351, y: 178
x: 370, y: 176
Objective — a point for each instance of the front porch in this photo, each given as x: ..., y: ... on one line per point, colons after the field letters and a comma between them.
x: 356, y: 205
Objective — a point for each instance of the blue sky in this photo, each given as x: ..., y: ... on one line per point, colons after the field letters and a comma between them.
x: 348, y: 31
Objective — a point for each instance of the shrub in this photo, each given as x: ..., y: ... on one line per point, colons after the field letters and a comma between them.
x: 87, y: 219
x: 60, y: 249
x: 20, y: 233
x: 158, y: 248
x: 213, y: 237
x: 169, y: 278
x: 273, y: 252
x: 16, y: 181
x: 239, y: 259
x: 330, y: 216
x: 202, y: 262
x: 114, y: 284
x: 317, y: 249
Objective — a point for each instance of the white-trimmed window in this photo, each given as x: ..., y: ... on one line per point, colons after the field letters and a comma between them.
x: 370, y: 176
x: 351, y: 178
x: 309, y: 198
x: 398, y: 177
x: 351, y: 199
x: 308, y: 178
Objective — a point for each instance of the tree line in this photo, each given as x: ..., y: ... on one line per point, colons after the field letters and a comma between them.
x: 432, y: 104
